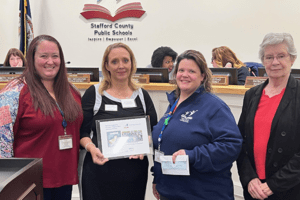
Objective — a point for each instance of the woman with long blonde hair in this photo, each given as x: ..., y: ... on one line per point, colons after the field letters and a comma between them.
x: 124, y: 178
x: 225, y: 57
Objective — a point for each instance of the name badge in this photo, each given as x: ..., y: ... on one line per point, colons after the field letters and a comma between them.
x: 180, y: 167
x: 158, y: 154
x: 128, y: 103
x: 65, y: 142
x: 109, y: 107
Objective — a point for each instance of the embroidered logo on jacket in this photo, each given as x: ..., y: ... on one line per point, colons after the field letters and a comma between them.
x: 187, y: 116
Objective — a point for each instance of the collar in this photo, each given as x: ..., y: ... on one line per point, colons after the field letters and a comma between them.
x: 292, y: 83
x: 172, y: 96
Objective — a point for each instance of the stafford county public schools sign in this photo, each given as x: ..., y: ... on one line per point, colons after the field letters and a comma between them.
x: 114, y: 31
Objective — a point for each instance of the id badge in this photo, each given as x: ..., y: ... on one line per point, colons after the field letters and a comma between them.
x: 65, y: 142
x: 157, y: 155
x: 109, y: 107
x: 128, y: 103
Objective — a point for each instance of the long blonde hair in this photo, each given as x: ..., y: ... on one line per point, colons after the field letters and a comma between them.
x: 223, y: 55
x: 106, y: 82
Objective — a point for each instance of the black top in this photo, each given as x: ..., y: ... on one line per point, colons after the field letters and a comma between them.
x: 121, y: 178
x: 242, y: 74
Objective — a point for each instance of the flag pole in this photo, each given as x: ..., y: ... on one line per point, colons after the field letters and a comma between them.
x: 25, y: 26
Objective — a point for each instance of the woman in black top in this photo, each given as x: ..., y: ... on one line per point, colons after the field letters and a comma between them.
x: 121, y: 178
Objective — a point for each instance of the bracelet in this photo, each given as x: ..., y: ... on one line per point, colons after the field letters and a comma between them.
x: 88, y: 145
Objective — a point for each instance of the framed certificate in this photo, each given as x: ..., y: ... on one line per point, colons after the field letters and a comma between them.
x: 123, y: 137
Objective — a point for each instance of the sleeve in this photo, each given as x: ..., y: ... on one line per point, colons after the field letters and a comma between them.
x: 245, y: 170
x: 9, y: 105
x: 150, y: 109
x: 242, y: 75
x: 87, y: 102
x: 224, y: 147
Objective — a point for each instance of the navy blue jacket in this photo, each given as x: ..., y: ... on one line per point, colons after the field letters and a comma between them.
x: 204, y: 127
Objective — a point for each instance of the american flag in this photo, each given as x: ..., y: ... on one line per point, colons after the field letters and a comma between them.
x: 25, y: 26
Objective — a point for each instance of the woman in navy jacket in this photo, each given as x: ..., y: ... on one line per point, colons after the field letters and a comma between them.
x: 269, y: 164
x: 202, y: 127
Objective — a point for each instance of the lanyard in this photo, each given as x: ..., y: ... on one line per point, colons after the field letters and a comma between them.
x: 166, y: 123
x: 64, y: 122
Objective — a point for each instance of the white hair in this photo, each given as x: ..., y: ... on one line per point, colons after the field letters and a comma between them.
x: 278, y: 38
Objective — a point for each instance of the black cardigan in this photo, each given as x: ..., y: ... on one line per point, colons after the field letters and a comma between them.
x: 283, y: 149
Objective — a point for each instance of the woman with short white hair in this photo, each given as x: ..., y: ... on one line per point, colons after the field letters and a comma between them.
x: 269, y: 164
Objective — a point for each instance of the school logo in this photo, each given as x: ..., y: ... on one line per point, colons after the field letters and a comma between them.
x: 94, y: 11
x: 187, y: 116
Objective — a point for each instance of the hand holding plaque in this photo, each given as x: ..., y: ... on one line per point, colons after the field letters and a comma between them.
x: 124, y: 137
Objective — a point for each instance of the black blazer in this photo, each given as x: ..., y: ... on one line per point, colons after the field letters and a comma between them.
x: 283, y: 149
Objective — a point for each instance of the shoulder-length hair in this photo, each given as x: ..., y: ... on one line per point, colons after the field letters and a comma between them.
x: 14, y: 52
x: 62, y: 88
x: 223, y: 55
x: 201, y: 63
x: 278, y: 38
x: 106, y: 82
x: 160, y: 53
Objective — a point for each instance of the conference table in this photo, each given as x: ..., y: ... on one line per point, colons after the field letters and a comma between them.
x: 232, y: 95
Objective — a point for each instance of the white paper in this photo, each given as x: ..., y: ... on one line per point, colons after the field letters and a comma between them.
x: 121, y: 138
x: 180, y: 167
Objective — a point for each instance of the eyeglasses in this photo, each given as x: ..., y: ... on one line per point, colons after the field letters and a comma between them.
x: 280, y: 57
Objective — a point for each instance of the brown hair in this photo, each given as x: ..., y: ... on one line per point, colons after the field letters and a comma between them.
x: 223, y: 55
x: 62, y: 88
x: 200, y: 61
x: 14, y: 52
x: 106, y: 82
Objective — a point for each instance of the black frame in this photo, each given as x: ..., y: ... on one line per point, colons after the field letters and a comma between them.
x: 156, y: 75
x: 12, y: 70
x: 262, y: 71
x: 92, y: 71
x: 231, y: 72
x: 294, y: 72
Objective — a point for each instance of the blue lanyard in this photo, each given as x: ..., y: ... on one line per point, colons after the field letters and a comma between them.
x: 64, y: 122
x: 166, y: 123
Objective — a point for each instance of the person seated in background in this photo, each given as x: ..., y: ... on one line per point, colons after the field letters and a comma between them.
x: 14, y: 58
x: 225, y: 57
x: 164, y: 57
